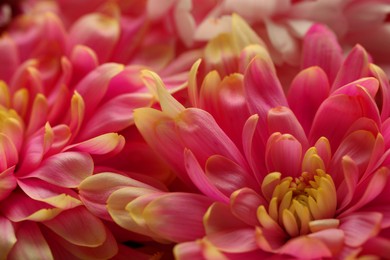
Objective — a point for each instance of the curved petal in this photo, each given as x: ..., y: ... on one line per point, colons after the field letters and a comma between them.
x: 66, y: 169
x: 31, y: 244
x: 69, y: 223
x: 170, y: 216
x: 7, y: 237
x: 96, y: 189
x: 321, y: 48
x: 284, y: 155
x: 355, y: 66
x: 234, y: 241
x: 306, y: 93
x: 359, y: 227
x: 199, y: 178
x: 244, y: 204
x: 7, y: 182
x: 306, y: 247
x: 83, y: 60
x: 102, y: 144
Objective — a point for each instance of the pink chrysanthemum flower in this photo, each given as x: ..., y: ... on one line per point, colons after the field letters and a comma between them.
x: 266, y: 173
x: 62, y: 116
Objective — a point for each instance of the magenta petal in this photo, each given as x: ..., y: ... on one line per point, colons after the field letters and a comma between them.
x: 83, y: 60
x: 31, y: 244
x: 170, y: 216
x: 283, y: 120
x: 66, y: 169
x: 311, y: 86
x: 244, y: 204
x: 263, y: 89
x: 359, y: 227
x: 7, y: 182
x: 354, y: 67
x: 228, y: 176
x: 284, y: 155
x: 234, y: 241
x: 69, y: 223
x: 9, y: 58
x: 103, y: 144
x: 7, y: 237
x: 321, y: 48
x: 199, y: 178
x: 384, y: 101
x: 306, y: 247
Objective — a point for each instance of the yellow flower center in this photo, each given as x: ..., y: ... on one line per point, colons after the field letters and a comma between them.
x: 300, y: 205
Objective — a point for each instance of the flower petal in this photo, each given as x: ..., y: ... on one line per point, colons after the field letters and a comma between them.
x: 66, y: 169
x: 7, y: 182
x: 234, y: 241
x: 102, y: 144
x: 321, y: 48
x: 7, y: 237
x: 359, y: 227
x: 170, y: 216
x: 306, y: 247
x: 244, y: 204
x: 69, y: 223
x: 312, y: 86
x: 30, y: 244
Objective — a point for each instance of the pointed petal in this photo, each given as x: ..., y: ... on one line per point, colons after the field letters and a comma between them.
x: 102, y: 144
x: 284, y: 155
x: 227, y: 176
x: 354, y: 67
x: 66, y: 169
x: 170, y: 216
x: 234, y: 241
x: 282, y: 119
x: 219, y: 218
x: 7, y: 237
x: 359, y: 227
x: 306, y: 247
x: 244, y: 204
x: 83, y: 60
x: 69, y: 223
x: 199, y: 249
x: 200, y: 179
x: 39, y: 113
x: 30, y: 244
x: 321, y: 48
x: 263, y: 89
x: 311, y: 86
x: 7, y: 182
x: 332, y: 238
x: 193, y: 91
x: 384, y: 86
x: 95, y: 190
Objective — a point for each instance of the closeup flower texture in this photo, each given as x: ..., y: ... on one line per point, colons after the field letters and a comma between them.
x: 265, y: 170
x: 65, y: 111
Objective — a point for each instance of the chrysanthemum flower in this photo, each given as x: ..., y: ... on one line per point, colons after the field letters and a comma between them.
x: 61, y: 112
x: 300, y: 174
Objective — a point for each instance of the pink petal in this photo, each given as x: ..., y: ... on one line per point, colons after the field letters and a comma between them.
x: 66, y: 169
x: 185, y: 23
x: 200, y: 179
x: 371, y: 85
x: 312, y: 86
x: 102, y: 144
x: 306, y: 247
x: 284, y: 155
x: 9, y: 58
x: 58, y: 197
x: 283, y: 120
x: 354, y: 67
x: 30, y: 244
x: 7, y: 182
x: 170, y: 216
x: 106, y: 250
x: 39, y: 113
x: 97, y: 31
x: 115, y: 115
x: 9, y: 155
x: 321, y: 48
x: 118, y: 206
x: 193, y: 90
x: 234, y: 241
x: 346, y: 190
x: 263, y: 89
x: 244, y: 204
x: 219, y: 218
x: 83, y: 60
x: 332, y: 238
x: 207, y: 138
x: 95, y: 190
x: 156, y: 9
x: 358, y: 146
x: 337, y: 113
x: 18, y: 207
x: 228, y: 176
x: 7, y: 237
x: 199, y: 249
x: 384, y: 86
x: 69, y: 223
x: 93, y: 86
x: 359, y: 227
x: 158, y: 130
